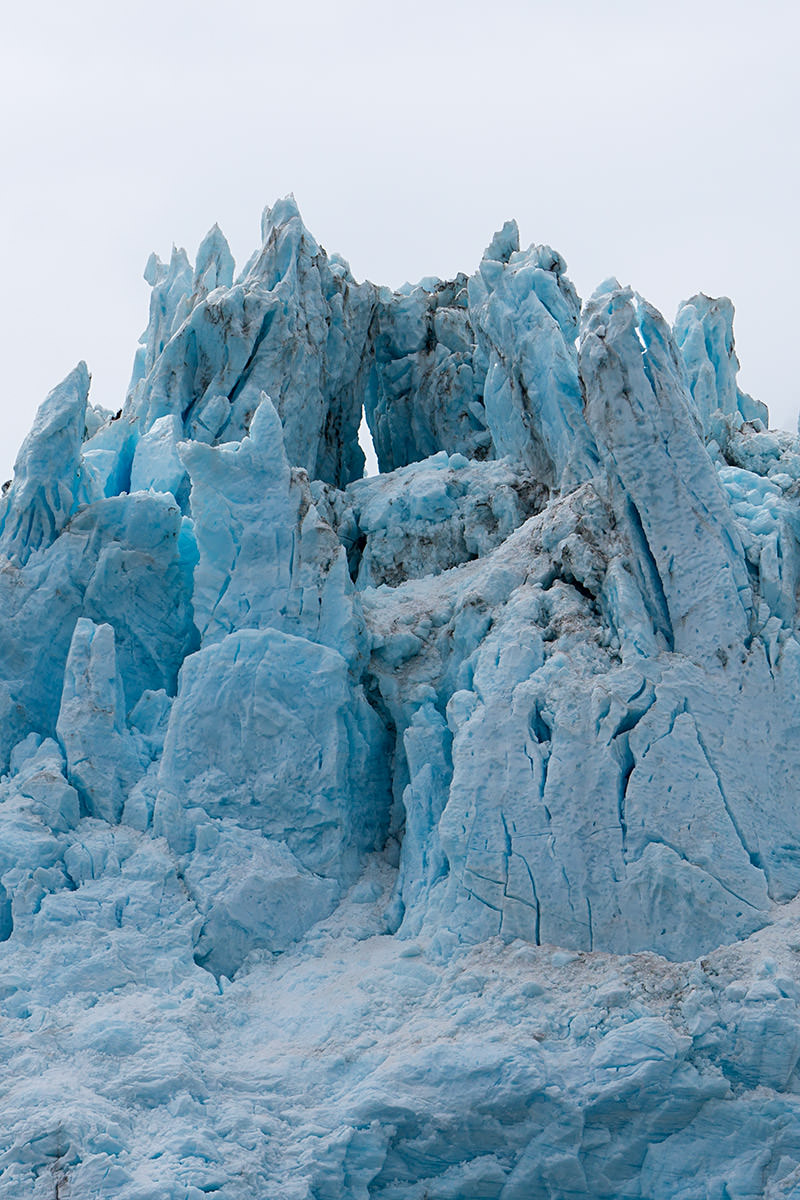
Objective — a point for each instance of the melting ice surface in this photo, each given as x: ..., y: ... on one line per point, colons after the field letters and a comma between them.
x: 433, y: 834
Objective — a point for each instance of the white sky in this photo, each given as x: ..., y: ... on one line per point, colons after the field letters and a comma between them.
x: 653, y: 141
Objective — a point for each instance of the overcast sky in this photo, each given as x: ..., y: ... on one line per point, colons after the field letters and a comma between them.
x: 653, y: 141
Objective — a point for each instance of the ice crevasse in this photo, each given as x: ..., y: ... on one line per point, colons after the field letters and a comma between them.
x: 432, y: 835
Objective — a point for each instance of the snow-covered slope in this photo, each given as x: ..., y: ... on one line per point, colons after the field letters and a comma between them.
x: 428, y: 836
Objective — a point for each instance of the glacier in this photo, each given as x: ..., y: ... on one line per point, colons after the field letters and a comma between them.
x: 430, y: 835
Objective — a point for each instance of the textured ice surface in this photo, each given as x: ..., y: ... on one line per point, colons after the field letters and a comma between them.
x: 428, y: 835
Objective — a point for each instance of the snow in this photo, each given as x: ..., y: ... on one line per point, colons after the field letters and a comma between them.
x: 431, y: 833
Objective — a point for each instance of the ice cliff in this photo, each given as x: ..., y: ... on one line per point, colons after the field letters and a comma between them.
x: 427, y: 836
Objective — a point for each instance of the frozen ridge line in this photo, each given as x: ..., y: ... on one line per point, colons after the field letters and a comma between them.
x: 429, y: 836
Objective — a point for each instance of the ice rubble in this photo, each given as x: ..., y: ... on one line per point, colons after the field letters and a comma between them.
x: 426, y: 835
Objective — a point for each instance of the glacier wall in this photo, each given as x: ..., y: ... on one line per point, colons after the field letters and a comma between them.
x: 433, y: 834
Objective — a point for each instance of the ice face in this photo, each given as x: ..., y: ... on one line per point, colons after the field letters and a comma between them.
x: 293, y: 325
x: 46, y: 485
x: 428, y: 834
x: 102, y: 762
x: 704, y: 332
x: 525, y: 313
x: 425, y: 381
x: 636, y: 397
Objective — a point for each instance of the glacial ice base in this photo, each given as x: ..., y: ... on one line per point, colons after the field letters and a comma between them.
x: 427, y: 836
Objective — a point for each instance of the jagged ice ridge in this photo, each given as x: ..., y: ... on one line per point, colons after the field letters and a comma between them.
x: 427, y: 836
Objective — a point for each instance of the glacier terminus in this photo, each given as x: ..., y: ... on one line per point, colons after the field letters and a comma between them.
x: 428, y: 835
